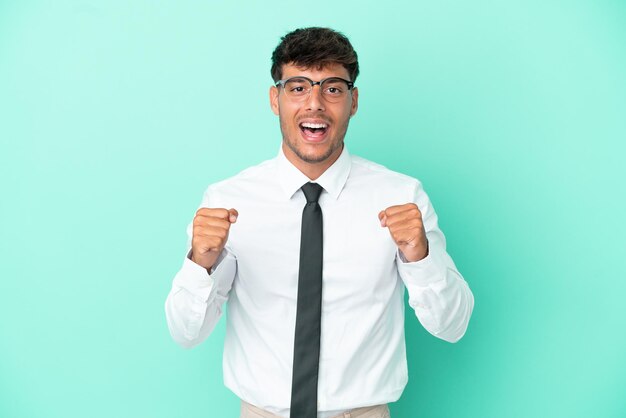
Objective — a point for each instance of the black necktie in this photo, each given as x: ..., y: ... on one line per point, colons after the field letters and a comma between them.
x: 306, y: 353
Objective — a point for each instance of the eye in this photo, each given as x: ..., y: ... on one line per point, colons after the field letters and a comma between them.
x: 297, y: 86
x: 335, y: 87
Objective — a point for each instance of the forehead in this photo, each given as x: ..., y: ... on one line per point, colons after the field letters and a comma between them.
x: 315, y: 73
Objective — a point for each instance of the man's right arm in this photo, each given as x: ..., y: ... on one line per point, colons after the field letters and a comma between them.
x: 200, y: 288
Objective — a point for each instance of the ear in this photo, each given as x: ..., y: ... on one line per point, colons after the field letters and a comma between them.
x: 274, y: 100
x: 355, y: 101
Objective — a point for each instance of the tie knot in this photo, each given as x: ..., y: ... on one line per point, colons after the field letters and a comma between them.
x: 312, y: 192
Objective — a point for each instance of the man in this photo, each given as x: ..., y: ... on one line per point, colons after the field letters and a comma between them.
x: 313, y: 250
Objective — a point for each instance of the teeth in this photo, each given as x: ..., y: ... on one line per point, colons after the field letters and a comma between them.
x: 314, y: 125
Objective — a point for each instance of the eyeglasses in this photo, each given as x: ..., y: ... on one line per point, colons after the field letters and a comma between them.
x: 334, y: 89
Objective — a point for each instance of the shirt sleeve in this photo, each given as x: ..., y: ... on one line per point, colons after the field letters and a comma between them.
x: 441, y: 298
x: 194, y: 304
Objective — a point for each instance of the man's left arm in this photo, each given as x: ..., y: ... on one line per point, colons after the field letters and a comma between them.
x: 438, y: 293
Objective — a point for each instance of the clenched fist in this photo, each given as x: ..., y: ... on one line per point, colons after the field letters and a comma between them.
x: 210, y: 233
x: 407, y: 230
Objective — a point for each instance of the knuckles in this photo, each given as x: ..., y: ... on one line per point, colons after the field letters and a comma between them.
x: 402, y: 211
x: 414, y: 210
x: 407, y: 219
x: 210, y: 231
x: 213, y: 212
x: 210, y: 221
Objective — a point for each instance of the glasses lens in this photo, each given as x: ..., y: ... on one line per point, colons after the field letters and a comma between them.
x: 334, y: 89
x: 297, y: 87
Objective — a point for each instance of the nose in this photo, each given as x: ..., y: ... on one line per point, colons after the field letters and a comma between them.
x: 315, y: 101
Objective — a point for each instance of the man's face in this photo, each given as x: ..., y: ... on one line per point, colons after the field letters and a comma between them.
x: 320, y: 147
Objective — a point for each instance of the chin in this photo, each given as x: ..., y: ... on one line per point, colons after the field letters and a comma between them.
x: 312, y: 158
x: 311, y: 152
x: 318, y: 155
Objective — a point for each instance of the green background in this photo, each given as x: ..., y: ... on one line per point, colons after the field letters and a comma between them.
x: 115, y: 116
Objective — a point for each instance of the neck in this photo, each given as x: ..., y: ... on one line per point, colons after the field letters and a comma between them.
x: 312, y: 170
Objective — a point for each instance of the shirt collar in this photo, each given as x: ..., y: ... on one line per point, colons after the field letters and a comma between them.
x: 332, y: 180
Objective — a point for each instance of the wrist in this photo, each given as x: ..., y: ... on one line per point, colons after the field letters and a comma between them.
x: 205, y: 262
x: 414, y: 254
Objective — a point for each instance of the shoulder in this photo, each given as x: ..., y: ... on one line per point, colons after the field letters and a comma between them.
x: 250, y: 174
x: 381, y: 175
x: 235, y: 188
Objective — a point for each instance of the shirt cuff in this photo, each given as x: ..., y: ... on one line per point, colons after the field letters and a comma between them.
x: 422, y: 272
x: 195, y: 279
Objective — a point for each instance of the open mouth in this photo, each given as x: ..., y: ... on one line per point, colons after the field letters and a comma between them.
x: 313, y: 130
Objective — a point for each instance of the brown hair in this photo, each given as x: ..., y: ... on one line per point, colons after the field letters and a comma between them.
x: 314, y: 47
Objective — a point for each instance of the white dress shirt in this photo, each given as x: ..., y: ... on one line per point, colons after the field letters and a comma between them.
x: 362, y: 352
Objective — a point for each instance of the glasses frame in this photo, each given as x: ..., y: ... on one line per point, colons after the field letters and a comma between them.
x: 282, y: 83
